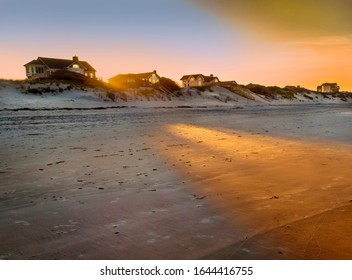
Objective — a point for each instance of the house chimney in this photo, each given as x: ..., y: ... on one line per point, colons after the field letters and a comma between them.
x: 75, y: 58
x: 211, y: 75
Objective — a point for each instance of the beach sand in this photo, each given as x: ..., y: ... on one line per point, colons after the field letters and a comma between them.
x: 265, y: 182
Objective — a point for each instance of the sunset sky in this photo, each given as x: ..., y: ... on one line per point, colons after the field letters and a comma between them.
x: 272, y: 42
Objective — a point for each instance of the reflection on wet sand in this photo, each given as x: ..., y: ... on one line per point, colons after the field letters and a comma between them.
x: 293, y: 195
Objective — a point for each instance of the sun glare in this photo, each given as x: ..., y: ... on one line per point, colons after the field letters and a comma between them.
x: 261, y: 182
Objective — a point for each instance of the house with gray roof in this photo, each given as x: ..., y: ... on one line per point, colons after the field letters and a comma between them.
x: 43, y: 67
x: 197, y: 80
x: 328, y: 88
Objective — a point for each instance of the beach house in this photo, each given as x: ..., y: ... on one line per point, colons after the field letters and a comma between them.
x: 135, y: 80
x: 328, y: 88
x: 43, y: 67
x: 197, y: 80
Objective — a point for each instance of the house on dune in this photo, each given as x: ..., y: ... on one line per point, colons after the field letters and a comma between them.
x: 135, y: 80
x: 197, y: 80
x: 43, y: 67
x: 328, y: 88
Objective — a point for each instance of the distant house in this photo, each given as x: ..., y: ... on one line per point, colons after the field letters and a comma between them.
x: 197, y: 80
x: 135, y: 80
x: 328, y: 88
x: 43, y: 67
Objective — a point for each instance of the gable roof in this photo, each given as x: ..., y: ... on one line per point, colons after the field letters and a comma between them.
x: 209, y: 78
x: 329, y: 84
x: 205, y: 78
x: 186, y: 77
x: 35, y: 61
x: 88, y: 66
x: 58, y: 63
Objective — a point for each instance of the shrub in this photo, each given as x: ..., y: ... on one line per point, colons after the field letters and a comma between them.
x: 237, y: 89
x: 262, y: 90
x: 167, y: 83
x: 307, y: 96
x: 111, y: 95
x: 34, y: 91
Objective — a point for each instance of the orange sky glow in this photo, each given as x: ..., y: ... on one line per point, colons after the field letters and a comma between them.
x: 301, y: 42
x: 279, y: 43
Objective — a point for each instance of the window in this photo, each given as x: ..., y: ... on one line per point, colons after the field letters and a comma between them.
x: 75, y: 66
x: 153, y: 79
x: 38, y: 69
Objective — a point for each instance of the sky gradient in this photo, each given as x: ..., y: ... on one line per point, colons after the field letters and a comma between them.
x: 280, y: 43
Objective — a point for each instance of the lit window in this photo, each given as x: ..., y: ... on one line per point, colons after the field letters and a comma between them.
x: 75, y: 66
x: 153, y: 79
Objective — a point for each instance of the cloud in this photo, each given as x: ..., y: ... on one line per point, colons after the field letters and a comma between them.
x: 279, y: 19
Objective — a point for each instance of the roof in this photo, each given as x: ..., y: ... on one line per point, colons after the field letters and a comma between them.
x: 206, y: 78
x: 88, y: 66
x: 186, y: 77
x: 36, y: 62
x: 57, y: 63
x: 329, y: 84
x: 135, y: 76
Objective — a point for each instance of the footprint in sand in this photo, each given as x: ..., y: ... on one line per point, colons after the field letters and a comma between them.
x: 22, y: 222
x: 206, y: 221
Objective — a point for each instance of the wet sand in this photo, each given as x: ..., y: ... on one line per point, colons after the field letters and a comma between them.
x: 257, y: 183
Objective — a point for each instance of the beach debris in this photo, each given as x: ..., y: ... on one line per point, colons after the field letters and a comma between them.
x: 274, y: 197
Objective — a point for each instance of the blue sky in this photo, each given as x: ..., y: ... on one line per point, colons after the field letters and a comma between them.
x: 277, y: 43
x: 106, y: 31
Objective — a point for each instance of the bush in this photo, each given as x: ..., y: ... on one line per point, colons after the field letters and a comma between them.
x: 167, y: 84
x: 274, y: 92
x: 237, y: 89
x: 35, y: 91
x: 145, y: 92
x: 307, y: 96
x: 111, y: 95
x: 75, y: 79
x: 262, y: 90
